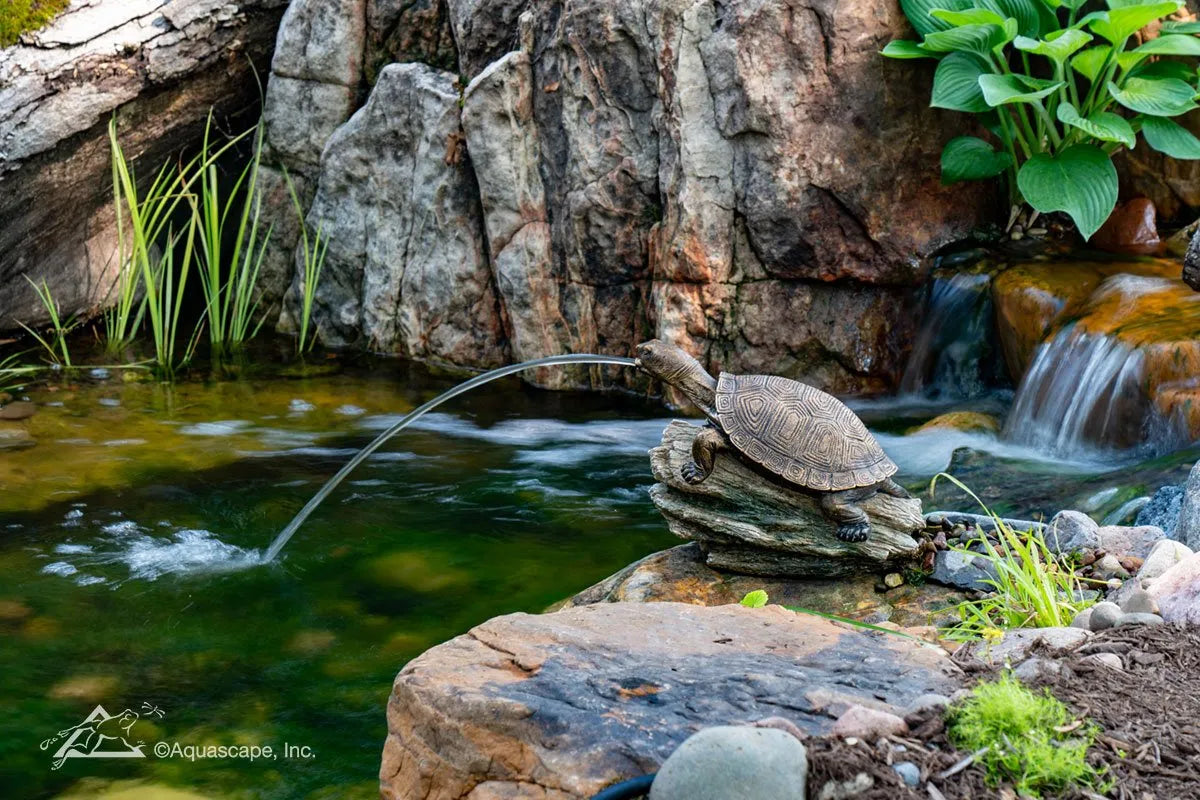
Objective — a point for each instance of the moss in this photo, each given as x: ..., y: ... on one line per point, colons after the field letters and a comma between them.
x: 1027, y: 738
x: 19, y: 16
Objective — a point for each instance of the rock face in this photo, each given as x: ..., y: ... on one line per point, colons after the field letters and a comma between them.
x: 396, y: 200
x: 160, y: 66
x: 561, y: 705
x: 639, y: 174
x: 748, y: 523
x: 679, y: 575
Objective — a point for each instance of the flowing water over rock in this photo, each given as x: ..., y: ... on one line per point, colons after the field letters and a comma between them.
x: 952, y: 358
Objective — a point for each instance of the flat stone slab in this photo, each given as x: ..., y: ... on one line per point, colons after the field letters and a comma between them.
x: 747, y: 522
x: 560, y: 705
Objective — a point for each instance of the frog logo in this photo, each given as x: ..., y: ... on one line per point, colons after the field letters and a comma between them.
x: 100, y: 735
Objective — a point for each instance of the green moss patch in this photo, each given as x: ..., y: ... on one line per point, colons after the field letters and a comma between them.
x: 19, y: 16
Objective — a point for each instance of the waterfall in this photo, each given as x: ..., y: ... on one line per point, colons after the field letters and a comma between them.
x: 950, y: 354
x: 1082, y: 394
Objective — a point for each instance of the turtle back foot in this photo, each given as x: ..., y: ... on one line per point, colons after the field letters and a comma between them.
x: 854, y: 532
x: 692, y: 473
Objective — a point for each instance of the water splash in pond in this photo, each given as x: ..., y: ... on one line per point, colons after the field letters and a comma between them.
x: 416, y: 414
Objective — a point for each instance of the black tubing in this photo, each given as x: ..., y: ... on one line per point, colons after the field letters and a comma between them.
x: 627, y: 790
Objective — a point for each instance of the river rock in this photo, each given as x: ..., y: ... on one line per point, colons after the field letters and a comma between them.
x: 963, y: 571
x: 1017, y: 644
x: 1137, y: 541
x: 1109, y: 567
x: 563, y: 704
x: 1162, y: 557
x: 734, y: 761
x: 406, y: 270
x: 1139, y: 601
x: 679, y: 575
x: 1104, y: 615
x: 1130, y: 228
x: 748, y: 523
x: 1072, y: 532
x: 1138, y: 618
x: 160, y: 66
x: 1163, y: 509
x: 870, y: 724
x: 1187, y: 530
x: 1177, y: 591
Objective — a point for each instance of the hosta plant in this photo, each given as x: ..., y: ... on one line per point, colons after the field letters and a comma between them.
x: 1062, y: 88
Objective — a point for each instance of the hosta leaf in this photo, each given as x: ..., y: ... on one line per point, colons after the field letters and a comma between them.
x: 1057, y: 49
x: 1169, y: 137
x: 956, y: 83
x: 1091, y: 61
x: 1080, y: 180
x: 1025, y: 12
x: 1105, y: 126
x: 903, y: 48
x: 1176, y: 26
x: 1171, y: 44
x: 1002, y: 89
x: 1118, y: 24
x: 1164, y: 69
x: 966, y: 39
x: 966, y: 158
x: 1158, y: 97
x: 969, y: 16
x: 917, y: 12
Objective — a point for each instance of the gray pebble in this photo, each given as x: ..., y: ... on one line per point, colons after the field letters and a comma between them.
x: 1139, y: 619
x: 1139, y: 601
x: 1110, y: 660
x: 909, y: 772
x: 1104, y: 615
x: 1083, y: 619
x: 734, y: 761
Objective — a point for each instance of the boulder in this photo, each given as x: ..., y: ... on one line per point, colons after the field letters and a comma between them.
x: 1072, y: 532
x: 561, y: 705
x: 1162, y: 557
x: 1187, y: 529
x: 160, y: 67
x: 1136, y: 541
x: 1177, y: 591
x: 406, y: 270
x: 734, y: 761
x: 746, y: 522
x: 1163, y: 509
x: 679, y: 575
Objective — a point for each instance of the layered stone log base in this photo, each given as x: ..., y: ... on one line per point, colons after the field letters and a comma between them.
x: 746, y: 522
x: 557, y: 706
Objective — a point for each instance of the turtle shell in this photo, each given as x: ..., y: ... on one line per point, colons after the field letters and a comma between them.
x: 799, y: 433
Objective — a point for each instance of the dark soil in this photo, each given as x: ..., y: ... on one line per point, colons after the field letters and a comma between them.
x: 1148, y: 715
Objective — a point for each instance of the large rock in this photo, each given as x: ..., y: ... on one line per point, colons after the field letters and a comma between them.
x: 1187, y: 528
x: 748, y: 523
x: 679, y: 575
x: 160, y: 67
x: 1177, y: 591
x: 561, y: 705
x: 406, y: 270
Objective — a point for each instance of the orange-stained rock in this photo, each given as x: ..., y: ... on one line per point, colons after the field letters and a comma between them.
x: 967, y: 421
x: 679, y: 575
x: 1132, y: 228
x: 1033, y: 298
x: 561, y: 705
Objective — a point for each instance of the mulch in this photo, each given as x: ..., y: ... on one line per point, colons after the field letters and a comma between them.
x: 1148, y: 715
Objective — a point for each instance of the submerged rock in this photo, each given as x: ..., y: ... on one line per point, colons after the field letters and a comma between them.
x: 679, y: 575
x: 748, y: 523
x: 564, y: 704
x: 730, y: 761
x: 966, y: 421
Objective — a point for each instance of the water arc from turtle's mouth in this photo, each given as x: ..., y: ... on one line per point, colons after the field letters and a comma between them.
x: 417, y: 413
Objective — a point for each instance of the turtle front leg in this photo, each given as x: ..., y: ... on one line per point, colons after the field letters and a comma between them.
x: 853, y: 524
x: 705, y: 447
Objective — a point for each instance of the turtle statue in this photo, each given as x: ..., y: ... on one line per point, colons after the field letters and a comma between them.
x: 807, y: 438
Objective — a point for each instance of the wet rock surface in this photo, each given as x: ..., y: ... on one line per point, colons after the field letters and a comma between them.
x: 748, y: 523
x: 679, y: 575
x: 561, y: 705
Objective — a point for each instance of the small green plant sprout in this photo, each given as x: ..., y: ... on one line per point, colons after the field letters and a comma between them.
x: 1061, y: 92
x: 1029, y: 739
x: 55, y: 342
x: 756, y: 599
x: 313, y: 253
x: 1032, y: 587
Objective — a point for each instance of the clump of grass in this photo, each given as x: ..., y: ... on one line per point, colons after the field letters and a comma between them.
x: 19, y: 16
x: 1024, y: 737
x: 13, y: 373
x: 313, y: 253
x: 1032, y: 589
x: 54, y: 343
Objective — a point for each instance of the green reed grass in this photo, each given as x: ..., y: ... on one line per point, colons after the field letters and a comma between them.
x: 313, y: 252
x: 1032, y: 589
x: 55, y: 342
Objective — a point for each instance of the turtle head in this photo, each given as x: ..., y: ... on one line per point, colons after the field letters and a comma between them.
x: 673, y: 366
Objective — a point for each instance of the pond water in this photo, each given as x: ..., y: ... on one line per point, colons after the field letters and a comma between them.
x: 131, y: 538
